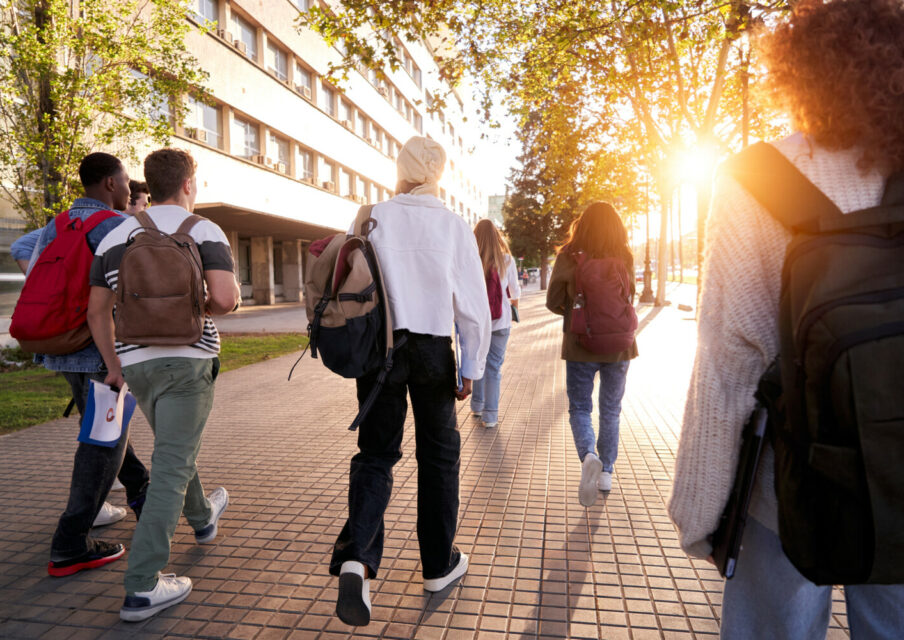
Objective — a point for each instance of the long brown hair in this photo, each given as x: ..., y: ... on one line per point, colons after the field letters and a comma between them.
x: 600, y: 233
x: 492, y: 247
x: 838, y: 67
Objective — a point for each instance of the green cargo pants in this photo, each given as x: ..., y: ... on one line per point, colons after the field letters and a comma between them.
x: 176, y: 395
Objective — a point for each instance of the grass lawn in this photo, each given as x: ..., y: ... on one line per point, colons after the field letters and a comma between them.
x: 31, y: 395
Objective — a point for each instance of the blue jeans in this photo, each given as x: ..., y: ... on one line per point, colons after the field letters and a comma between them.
x: 769, y: 598
x: 485, y: 392
x: 579, y: 377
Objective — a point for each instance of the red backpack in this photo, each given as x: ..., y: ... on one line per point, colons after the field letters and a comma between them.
x: 51, y: 314
x: 494, y: 293
x: 602, y: 315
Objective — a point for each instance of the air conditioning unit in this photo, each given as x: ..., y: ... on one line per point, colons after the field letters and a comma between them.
x: 383, y: 91
x: 348, y: 124
x: 303, y: 90
x: 241, y: 46
x: 200, y: 135
x: 225, y: 35
x: 281, y: 167
x: 308, y: 179
x: 259, y: 159
x: 359, y: 199
x: 329, y: 185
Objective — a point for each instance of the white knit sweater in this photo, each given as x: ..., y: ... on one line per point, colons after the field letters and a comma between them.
x: 738, y: 337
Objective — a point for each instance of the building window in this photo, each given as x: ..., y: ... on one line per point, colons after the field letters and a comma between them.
x: 244, y: 260
x: 277, y: 263
x: 303, y: 5
x: 346, y: 183
x: 277, y: 62
x: 204, y: 123
x: 345, y: 113
x: 206, y: 10
x: 452, y: 201
x: 374, y: 193
x: 377, y: 137
x: 387, y: 145
x: 304, y: 165
x: 304, y: 81
x: 361, y: 125
x: 278, y: 153
x: 328, y: 100
x: 360, y: 188
x: 417, y: 76
x: 325, y: 174
x: 245, y: 36
x: 245, y: 139
x: 452, y: 132
x: 419, y: 123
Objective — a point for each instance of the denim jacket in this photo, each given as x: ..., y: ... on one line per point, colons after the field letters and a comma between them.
x: 88, y: 360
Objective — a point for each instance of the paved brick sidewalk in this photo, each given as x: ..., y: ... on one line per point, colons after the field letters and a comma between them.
x: 541, y: 565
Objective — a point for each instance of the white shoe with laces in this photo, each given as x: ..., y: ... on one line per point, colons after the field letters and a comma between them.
x: 353, y: 603
x: 219, y: 500
x: 590, y: 474
x: 168, y: 591
x: 108, y: 514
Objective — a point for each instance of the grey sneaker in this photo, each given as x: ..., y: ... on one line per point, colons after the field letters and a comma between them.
x: 490, y: 425
x: 168, y: 591
x: 108, y: 514
x: 590, y: 473
x: 219, y: 500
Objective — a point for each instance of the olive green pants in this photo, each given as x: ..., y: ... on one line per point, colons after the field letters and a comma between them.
x: 175, y: 395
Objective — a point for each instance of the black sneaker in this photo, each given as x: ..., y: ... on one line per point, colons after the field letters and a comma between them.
x: 458, y: 569
x: 353, y: 604
x: 102, y: 553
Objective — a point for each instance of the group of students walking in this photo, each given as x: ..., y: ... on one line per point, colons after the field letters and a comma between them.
x: 437, y: 272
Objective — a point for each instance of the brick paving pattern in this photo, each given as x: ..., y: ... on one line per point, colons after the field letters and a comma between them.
x: 541, y: 565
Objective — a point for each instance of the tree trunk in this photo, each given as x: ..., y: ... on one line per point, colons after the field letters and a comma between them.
x: 50, y: 173
x: 661, y: 260
x: 544, y: 263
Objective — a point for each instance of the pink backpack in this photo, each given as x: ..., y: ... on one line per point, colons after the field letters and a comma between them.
x: 603, y: 316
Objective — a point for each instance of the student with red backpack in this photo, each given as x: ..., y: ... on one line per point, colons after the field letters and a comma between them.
x: 503, y: 292
x: 592, y: 286
x: 76, y: 234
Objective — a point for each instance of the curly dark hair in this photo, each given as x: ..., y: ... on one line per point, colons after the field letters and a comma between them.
x: 838, y: 66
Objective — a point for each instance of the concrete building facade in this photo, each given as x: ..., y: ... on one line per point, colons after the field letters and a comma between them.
x: 285, y: 157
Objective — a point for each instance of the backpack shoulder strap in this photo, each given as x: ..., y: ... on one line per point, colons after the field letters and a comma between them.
x: 61, y: 221
x: 188, y: 224
x: 97, y: 217
x: 144, y: 220
x: 363, y: 225
x: 780, y: 187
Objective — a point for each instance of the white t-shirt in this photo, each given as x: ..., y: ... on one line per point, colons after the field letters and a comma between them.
x: 510, y: 282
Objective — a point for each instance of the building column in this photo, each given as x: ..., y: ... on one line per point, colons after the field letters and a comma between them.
x: 262, y: 270
x: 293, y: 276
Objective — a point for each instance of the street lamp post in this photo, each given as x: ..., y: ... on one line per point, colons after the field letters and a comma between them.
x: 647, y: 295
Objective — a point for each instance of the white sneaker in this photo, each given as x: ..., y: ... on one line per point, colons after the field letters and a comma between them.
x: 590, y: 473
x: 605, y: 481
x: 460, y: 568
x: 117, y: 485
x: 108, y: 514
x: 353, y: 604
x: 168, y: 591
x: 490, y: 425
x: 219, y: 500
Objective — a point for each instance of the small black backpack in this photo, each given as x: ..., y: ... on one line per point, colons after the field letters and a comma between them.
x: 839, y: 435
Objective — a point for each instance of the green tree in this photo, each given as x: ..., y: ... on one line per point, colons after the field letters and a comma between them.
x: 78, y: 75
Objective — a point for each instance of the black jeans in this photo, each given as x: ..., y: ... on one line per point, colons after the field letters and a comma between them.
x: 425, y: 368
x: 92, y: 476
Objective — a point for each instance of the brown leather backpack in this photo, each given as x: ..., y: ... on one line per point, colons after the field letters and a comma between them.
x: 160, y: 288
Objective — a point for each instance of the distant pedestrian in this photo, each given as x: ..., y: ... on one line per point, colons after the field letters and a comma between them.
x: 174, y: 384
x: 503, y: 291
x: 139, y: 197
x: 838, y: 69
x: 433, y: 277
x: 598, y: 236
x: 94, y: 468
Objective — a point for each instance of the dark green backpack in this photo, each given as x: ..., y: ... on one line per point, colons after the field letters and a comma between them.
x: 839, y: 438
